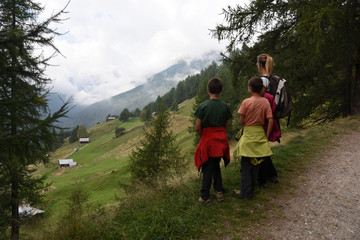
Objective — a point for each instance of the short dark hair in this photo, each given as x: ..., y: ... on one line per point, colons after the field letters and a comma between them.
x: 215, y: 85
x: 256, y: 84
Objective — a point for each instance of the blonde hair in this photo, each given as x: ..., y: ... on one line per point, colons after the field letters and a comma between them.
x: 267, y: 62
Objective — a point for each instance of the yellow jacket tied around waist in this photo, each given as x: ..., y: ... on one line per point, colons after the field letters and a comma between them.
x: 253, y: 143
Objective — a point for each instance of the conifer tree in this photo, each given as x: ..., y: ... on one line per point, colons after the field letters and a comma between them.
x: 180, y: 93
x: 168, y: 98
x: 137, y: 112
x: 124, y: 115
x: 145, y: 114
x: 73, y: 136
x: 174, y: 107
x: 158, y: 155
x: 315, y: 45
x: 26, y: 127
x: 82, y: 132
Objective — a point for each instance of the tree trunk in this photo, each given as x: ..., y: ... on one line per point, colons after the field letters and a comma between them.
x: 15, y: 224
x: 14, y: 201
x: 347, y: 91
x: 356, y: 105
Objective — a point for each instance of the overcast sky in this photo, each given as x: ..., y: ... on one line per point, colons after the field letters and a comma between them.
x: 114, y: 45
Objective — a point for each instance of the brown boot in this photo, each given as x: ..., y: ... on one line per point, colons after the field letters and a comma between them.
x: 219, y: 196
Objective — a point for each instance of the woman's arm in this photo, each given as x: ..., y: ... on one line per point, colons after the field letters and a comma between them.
x: 270, y: 126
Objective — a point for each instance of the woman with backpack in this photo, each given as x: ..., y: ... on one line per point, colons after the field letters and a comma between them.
x: 265, y: 66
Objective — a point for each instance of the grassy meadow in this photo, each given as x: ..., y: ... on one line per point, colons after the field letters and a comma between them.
x: 102, y: 165
x: 168, y: 211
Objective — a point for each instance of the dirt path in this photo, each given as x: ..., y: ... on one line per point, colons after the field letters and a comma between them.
x: 327, y: 203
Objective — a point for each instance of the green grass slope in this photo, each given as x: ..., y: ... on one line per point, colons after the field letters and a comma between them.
x: 173, y: 212
x: 102, y: 165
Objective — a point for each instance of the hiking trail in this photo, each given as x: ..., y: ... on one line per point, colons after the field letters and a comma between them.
x: 326, y: 203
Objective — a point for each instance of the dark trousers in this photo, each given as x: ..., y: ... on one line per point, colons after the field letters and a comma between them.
x: 211, y: 170
x: 266, y: 171
x: 249, y: 174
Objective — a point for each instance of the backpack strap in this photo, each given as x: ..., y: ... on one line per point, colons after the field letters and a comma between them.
x: 288, y: 121
x: 278, y: 91
x: 273, y: 84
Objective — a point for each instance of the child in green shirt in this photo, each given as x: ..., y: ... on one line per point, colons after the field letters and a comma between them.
x: 211, y: 125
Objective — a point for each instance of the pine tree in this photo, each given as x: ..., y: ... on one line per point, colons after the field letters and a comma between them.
x: 174, y: 107
x: 137, y: 112
x: 82, y: 132
x: 26, y: 127
x: 73, y: 136
x: 124, y: 115
x: 158, y: 155
x: 168, y: 98
x: 180, y: 93
x: 145, y: 114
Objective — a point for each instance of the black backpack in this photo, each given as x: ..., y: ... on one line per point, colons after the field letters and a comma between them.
x: 280, y: 90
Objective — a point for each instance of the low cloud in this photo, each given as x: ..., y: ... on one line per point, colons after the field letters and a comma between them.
x: 112, y: 46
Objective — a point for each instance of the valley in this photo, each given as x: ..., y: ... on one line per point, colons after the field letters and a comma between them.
x: 102, y: 165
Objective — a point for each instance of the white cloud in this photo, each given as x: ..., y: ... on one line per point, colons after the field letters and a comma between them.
x: 112, y: 46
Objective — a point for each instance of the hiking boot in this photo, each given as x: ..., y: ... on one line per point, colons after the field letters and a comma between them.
x: 205, y: 202
x: 219, y: 196
x: 237, y: 194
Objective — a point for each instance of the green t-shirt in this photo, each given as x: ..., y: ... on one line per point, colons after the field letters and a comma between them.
x: 213, y: 113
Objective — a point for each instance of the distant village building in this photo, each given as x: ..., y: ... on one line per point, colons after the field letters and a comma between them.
x: 111, y: 118
x: 66, y: 163
x: 84, y: 140
x: 26, y: 210
x: 154, y: 114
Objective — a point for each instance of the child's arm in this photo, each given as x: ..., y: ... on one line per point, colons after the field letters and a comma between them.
x: 226, y: 125
x: 242, y: 119
x: 198, y: 127
x: 270, y: 126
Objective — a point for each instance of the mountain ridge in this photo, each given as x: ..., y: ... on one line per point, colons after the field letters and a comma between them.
x: 138, y: 97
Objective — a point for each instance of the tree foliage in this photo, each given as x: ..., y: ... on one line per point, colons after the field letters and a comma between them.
x: 26, y: 127
x: 145, y: 114
x: 124, y: 115
x: 82, y: 132
x: 119, y: 131
x: 315, y: 45
x: 74, y: 135
x: 158, y: 154
x: 137, y: 112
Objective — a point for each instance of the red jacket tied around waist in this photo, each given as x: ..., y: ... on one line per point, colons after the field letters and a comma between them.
x: 213, y: 143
